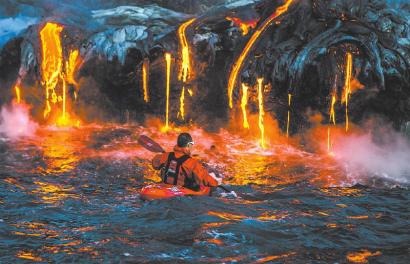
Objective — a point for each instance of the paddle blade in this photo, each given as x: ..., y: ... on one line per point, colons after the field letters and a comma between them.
x: 149, y: 144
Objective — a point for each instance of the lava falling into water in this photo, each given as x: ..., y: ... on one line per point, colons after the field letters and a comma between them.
x: 181, y: 104
x: 71, y: 67
x: 18, y: 93
x: 261, y: 112
x: 238, y: 64
x: 244, y: 103
x: 168, y: 74
x: 347, y: 90
x: 145, y: 80
x: 52, y: 61
x: 185, y: 69
x: 332, y: 119
x: 287, y: 124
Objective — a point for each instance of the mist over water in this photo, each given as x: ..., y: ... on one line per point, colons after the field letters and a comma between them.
x: 15, y: 121
x: 388, y: 159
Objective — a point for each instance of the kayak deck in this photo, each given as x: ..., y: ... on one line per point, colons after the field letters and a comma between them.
x: 166, y: 191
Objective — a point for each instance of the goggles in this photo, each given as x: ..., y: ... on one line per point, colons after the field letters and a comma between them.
x: 190, y: 143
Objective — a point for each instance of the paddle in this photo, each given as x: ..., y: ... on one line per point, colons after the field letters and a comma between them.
x: 153, y: 146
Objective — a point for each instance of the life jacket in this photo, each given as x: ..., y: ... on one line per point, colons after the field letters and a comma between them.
x: 172, y: 170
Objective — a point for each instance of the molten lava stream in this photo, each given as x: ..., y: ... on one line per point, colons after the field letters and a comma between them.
x: 244, y: 103
x: 261, y: 112
x: 18, y: 93
x: 168, y: 74
x: 185, y: 64
x: 181, y: 104
x: 185, y: 69
x: 244, y: 26
x: 332, y: 119
x: 347, y: 90
x: 287, y: 124
x: 238, y: 64
x: 145, y: 80
x: 52, y: 61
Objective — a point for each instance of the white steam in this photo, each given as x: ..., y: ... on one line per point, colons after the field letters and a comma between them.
x: 388, y: 160
x: 15, y: 121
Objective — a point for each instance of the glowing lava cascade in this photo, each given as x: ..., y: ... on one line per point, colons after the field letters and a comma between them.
x: 168, y: 74
x: 18, y: 93
x: 244, y: 103
x: 332, y: 119
x: 185, y: 69
x: 55, y: 73
x: 261, y: 112
x: 287, y: 124
x: 52, y: 61
x: 347, y: 88
x: 238, y: 64
x: 145, y: 72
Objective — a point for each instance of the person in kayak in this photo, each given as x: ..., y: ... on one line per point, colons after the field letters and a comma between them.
x: 179, y: 168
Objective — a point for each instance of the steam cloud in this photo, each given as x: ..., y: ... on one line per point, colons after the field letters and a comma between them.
x: 15, y: 121
x: 388, y: 159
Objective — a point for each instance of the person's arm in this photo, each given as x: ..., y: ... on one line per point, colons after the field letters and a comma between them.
x: 159, y: 161
x: 202, y: 176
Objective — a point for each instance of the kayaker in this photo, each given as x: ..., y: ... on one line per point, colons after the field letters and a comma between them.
x: 179, y: 168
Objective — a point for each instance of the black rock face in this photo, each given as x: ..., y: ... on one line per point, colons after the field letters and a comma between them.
x: 303, y: 52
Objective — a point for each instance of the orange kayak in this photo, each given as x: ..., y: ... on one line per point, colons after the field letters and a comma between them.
x: 166, y: 191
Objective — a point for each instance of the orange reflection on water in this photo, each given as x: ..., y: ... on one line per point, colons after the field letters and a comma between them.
x: 358, y: 217
x: 275, y: 257
x: 34, y: 229
x: 269, y: 216
x: 361, y: 256
x: 227, y: 216
x: 51, y: 193
x: 28, y: 255
x: 61, y: 151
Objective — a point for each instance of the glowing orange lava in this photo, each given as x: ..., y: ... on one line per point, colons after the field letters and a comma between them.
x: 52, y: 61
x: 145, y: 80
x: 332, y: 119
x: 287, y: 124
x: 71, y: 66
x: 243, y: 25
x: 244, y: 103
x: 185, y: 69
x: 185, y: 64
x: 261, y: 112
x: 168, y: 74
x: 238, y: 64
x: 347, y: 90
x: 18, y: 93
x: 181, y: 104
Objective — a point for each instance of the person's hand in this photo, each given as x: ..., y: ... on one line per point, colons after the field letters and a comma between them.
x: 218, y: 179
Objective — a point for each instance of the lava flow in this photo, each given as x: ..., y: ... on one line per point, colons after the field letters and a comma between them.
x: 332, y: 119
x: 71, y: 66
x: 168, y: 74
x: 145, y: 69
x: 288, y: 122
x: 244, y: 103
x: 52, y: 62
x: 238, y: 64
x: 56, y: 74
x: 18, y: 93
x: 261, y: 112
x: 185, y: 68
x: 243, y: 25
x: 347, y: 87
